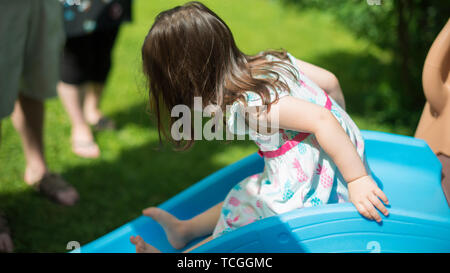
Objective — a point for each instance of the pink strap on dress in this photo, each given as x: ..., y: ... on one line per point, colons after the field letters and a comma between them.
x: 294, y: 141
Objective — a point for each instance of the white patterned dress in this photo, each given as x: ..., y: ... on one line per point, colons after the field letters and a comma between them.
x: 297, y: 172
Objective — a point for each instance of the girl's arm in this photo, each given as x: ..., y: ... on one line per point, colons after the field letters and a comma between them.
x: 324, y: 79
x: 299, y: 115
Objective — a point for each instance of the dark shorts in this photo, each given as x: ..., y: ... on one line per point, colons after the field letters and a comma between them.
x: 88, y: 58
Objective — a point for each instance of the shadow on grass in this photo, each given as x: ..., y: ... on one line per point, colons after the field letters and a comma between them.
x: 137, y: 114
x: 112, y: 192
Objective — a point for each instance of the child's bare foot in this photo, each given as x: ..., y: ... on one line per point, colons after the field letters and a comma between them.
x: 176, y: 230
x: 142, y: 246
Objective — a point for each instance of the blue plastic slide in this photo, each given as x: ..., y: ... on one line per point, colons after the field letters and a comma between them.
x: 404, y: 167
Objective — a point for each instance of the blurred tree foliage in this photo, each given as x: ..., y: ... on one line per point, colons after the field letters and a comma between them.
x: 405, y: 27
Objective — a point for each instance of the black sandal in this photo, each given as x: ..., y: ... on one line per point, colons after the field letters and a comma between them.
x: 52, y: 184
x: 104, y: 124
x: 4, y: 229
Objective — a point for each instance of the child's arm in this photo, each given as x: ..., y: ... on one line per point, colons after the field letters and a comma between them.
x: 299, y: 115
x: 324, y: 79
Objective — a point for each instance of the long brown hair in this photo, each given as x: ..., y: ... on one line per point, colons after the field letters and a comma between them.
x: 190, y: 52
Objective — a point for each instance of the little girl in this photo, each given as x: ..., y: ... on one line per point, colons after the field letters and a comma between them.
x: 314, y: 157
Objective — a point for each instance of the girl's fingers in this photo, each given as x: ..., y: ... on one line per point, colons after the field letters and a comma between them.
x: 381, y: 195
x: 372, y: 211
x: 377, y: 203
x: 362, y: 209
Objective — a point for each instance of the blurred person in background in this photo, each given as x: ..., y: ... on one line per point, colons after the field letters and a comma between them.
x: 91, y: 29
x: 31, y: 40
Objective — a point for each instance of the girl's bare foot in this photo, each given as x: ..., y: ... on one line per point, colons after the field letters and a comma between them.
x: 142, y: 246
x: 177, y: 231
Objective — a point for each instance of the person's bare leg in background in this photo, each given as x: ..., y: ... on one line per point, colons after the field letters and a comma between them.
x: 92, y: 113
x: 93, y: 92
x: 28, y: 119
x: 83, y: 143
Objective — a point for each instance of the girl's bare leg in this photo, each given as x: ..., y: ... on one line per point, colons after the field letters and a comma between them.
x: 180, y: 232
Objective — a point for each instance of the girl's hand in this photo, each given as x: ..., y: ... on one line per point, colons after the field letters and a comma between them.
x: 303, y: 116
x: 365, y: 195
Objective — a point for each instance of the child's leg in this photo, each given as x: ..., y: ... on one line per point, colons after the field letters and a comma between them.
x: 180, y: 232
x: 204, y: 223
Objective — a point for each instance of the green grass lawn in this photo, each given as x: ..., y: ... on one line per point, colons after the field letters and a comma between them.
x: 131, y: 174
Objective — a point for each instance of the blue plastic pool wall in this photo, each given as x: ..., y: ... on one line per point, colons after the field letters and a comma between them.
x: 404, y: 167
